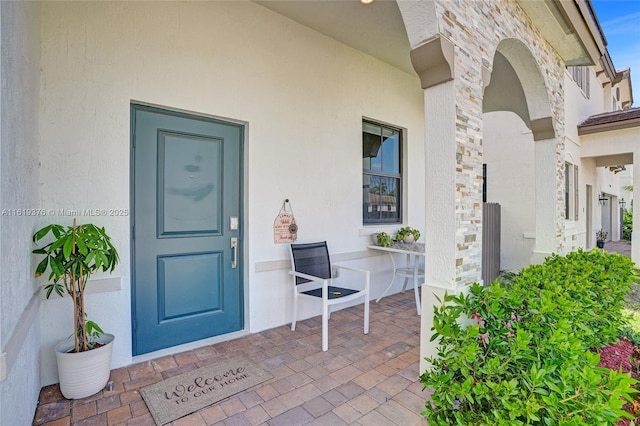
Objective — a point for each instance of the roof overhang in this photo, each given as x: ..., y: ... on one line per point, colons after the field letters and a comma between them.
x: 623, y: 82
x: 608, y: 127
x: 609, y: 121
x: 572, y: 28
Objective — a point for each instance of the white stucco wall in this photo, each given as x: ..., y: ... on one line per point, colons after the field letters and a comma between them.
x: 19, y: 332
x: 509, y: 151
x: 301, y: 94
x: 609, y: 183
x: 579, y: 107
x: 626, y: 179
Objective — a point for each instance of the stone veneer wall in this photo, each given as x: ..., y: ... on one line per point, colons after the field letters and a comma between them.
x: 476, y: 28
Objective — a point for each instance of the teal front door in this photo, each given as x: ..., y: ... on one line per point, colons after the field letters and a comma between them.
x: 187, y: 228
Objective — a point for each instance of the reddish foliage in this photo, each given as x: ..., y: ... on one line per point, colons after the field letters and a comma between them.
x: 618, y: 356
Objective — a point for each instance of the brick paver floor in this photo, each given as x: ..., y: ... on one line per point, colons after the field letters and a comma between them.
x: 362, y: 379
x: 621, y: 247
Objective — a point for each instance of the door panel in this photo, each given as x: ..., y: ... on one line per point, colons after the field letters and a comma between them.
x: 184, y: 285
x: 187, y: 184
x: 189, y: 174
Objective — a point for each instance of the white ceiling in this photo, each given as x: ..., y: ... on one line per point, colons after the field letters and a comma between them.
x: 376, y: 29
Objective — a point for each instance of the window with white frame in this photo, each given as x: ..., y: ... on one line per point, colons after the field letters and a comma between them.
x: 381, y: 173
x: 580, y: 75
x: 570, y: 191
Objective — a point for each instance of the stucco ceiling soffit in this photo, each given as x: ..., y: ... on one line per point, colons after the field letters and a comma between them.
x: 618, y: 159
x: 434, y: 62
x: 376, y: 29
x: 562, y: 23
x: 504, y: 91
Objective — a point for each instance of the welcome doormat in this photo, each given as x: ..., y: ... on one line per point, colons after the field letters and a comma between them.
x: 178, y: 396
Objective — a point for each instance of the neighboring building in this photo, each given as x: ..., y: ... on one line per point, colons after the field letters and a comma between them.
x: 189, y: 122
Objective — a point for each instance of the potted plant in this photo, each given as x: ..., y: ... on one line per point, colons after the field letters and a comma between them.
x: 73, y: 254
x: 407, y: 234
x: 601, y: 236
x: 384, y: 239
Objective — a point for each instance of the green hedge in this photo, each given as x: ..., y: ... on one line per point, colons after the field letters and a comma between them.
x: 525, y: 355
x: 627, y: 224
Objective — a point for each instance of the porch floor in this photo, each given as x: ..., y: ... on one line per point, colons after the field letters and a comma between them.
x: 362, y: 379
x: 620, y: 247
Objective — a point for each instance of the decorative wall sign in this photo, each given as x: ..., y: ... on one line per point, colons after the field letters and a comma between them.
x: 285, y: 229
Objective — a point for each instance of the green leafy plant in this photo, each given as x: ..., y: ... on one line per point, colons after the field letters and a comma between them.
x: 521, y: 351
x: 630, y: 334
x: 627, y: 224
x: 407, y: 230
x: 75, y: 253
x: 601, y: 235
x: 384, y: 239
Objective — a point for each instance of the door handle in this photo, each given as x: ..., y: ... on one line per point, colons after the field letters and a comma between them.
x: 234, y: 248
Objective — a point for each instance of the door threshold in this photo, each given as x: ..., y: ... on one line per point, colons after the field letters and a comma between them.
x: 189, y: 346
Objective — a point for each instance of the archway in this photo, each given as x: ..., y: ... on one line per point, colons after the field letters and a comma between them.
x: 519, y: 151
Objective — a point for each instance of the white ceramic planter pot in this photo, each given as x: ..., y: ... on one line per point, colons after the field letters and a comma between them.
x: 86, y: 373
x: 408, y: 239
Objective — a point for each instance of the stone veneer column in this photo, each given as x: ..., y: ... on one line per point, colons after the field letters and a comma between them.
x: 453, y: 45
x: 440, y: 204
x: 452, y: 180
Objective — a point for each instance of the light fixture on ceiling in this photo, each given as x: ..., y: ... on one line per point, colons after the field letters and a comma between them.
x: 602, y: 199
x: 618, y: 168
x: 366, y: 1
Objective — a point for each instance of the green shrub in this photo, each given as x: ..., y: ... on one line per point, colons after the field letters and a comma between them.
x: 627, y: 224
x: 630, y: 334
x: 524, y: 356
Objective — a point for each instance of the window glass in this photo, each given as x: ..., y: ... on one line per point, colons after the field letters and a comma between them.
x: 566, y: 190
x: 381, y: 170
x: 571, y: 198
x: 581, y: 75
x: 391, y: 151
x: 576, y: 203
x: 371, y: 144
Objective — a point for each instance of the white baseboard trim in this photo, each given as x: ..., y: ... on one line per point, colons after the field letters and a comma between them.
x: 276, y: 265
x: 94, y: 286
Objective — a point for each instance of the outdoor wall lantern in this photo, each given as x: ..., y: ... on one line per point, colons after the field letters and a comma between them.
x: 622, y: 203
x: 602, y: 199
